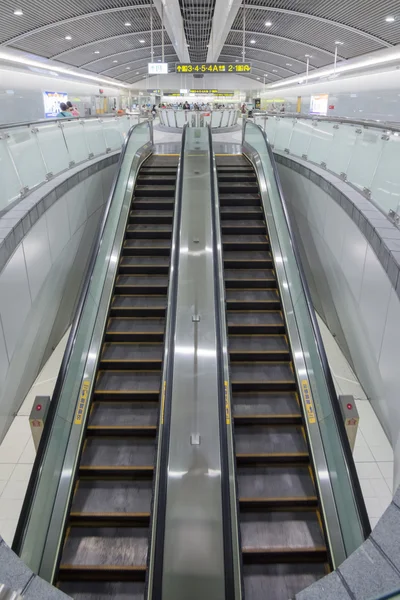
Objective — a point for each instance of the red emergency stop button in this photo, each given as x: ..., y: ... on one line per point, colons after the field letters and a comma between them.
x: 39, y: 407
x: 349, y: 406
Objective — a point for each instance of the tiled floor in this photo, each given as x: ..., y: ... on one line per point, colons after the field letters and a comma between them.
x: 373, y: 453
x: 17, y: 452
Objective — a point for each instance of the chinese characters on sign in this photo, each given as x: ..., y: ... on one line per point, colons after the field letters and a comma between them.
x: 308, y: 400
x: 213, y: 68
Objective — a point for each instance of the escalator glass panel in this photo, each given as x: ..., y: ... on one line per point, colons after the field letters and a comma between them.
x: 282, y: 534
x: 107, y: 535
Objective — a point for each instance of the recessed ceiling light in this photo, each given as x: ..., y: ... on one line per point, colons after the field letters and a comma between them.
x: 18, y: 12
x: 142, y: 41
x: 337, y: 43
x: 128, y: 68
x: 237, y: 60
x: 288, y: 64
x: 265, y: 74
x: 274, y: 70
x: 68, y: 37
x: 252, y: 41
x: 127, y: 24
x: 96, y: 52
x: 388, y: 19
x: 137, y: 72
x: 258, y: 78
x: 268, y: 24
x: 115, y: 61
x: 308, y: 55
x: 159, y: 60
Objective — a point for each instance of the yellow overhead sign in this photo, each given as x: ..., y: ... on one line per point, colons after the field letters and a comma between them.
x: 213, y: 68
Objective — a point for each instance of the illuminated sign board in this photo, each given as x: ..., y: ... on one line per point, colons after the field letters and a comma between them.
x: 52, y: 102
x: 201, y: 93
x: 158, y: 68
x: 319, y: 104
x: 213, y: 68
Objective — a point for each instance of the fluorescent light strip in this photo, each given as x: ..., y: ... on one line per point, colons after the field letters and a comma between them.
x: 340, y: 69
x: 40, y: 65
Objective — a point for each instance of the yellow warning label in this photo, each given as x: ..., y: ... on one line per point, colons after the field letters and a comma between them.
x: 163, y: 401
x: 82, y: 402
x: 227, y: 409
x: 308, y: 400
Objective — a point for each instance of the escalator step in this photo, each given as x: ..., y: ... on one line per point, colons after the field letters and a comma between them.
x: 138, y: 306
x: 101, y: 498
x: 118, y: 455
x: 250, y: 278
x: 245, y: 242
x: 153, y: 204
x: 247, y: 255
x: 279, y: 581
x: 255, y: 322
x: 155, y: 179
x: 268, y: 482
x: 102, y: 590
x: 127, y: 413
x: 160, y: 231
x: 131, y: 329
x: 255, y: 211
x: 235, y: 177
x: 132, y: 356
x: 248, y: 187
x: 265, y: 403
x: 258, y: 347
x: 151, y: 265
x: 134, y: 382
x: 119, y: 552
x: 155, y: 190
x: 262, y: 375
x: 150, y: 216
x: 141, y: 284
x: 252, y: 299
x: 243, y: 227
x: 141, y: 247
x: 282, y: 533
x: 270, y: 441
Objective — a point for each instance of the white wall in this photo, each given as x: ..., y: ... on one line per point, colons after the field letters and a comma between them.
x: 353, y: 294
x: 371, y: 96
x: 21, y: 94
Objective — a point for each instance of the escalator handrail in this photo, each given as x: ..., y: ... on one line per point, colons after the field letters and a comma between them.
x: 348, y: 456
x: 41, y: 451
x: 157, y: 553
x: 223, y: 435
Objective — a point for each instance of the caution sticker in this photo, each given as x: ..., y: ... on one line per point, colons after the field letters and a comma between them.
x: 163, y: 401
x: 82, y: 401
x: 227, y: 409
x: 308, y: 400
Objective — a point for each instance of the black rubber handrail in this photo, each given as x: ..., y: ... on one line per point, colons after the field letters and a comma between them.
x: 348, y: 456
x: 39, y: 460
x: 223, y: 436
x: 168, y: 370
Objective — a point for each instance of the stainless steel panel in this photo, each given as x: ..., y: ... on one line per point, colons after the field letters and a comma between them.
x: 193, y: 551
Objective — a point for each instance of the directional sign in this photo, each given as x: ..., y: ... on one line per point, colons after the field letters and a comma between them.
x: 213, y: 68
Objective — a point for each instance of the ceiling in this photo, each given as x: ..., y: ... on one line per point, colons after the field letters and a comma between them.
x: 113, y: 37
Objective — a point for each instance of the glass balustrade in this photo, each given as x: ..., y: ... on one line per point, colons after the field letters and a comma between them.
x: 365, y: 154
x: 31, y: 154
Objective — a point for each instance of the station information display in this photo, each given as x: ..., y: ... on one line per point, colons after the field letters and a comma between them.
x: 201, y: 93
x: 212, y: 68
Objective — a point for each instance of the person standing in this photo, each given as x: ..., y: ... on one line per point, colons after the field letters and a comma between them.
x: 72, y: 109
x: 64, y: 112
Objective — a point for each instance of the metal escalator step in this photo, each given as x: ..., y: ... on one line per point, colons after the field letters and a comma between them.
x: 151, y: 265
x: 131, y: 329
x: 102, y: 550
x: 153, y: 204
x: 234, y: 210
x: 137, y: 383
x: 282, y: 533
x: 103, y: 590
x: 117, y: 454
x: 138, y: 306
x: 258, y: 347
x: 243, y: 227
x: 245, y: 242
x: 275, y: 482
x: 155, y: 179
x: 252, y: 299
x: 128, y: 413
x: 248, y: 404
x: 273, y: 376
x: 279, y: 581
x: 248, y: 187
x: 229, y: 160
x: 250, y: 278
x: 262, y: 262
x: 141, y: 284
x: 131, y: 355
x: 239, y: 200
x: 247, y: 255
x: 144, y: 247
x: 104, y: 498
x: 268, y: 440
x: 150, y: 216
x: 158, y: 170
x: 235, y: 177
x: 155, y: 190
x: 152, y: 231
x: 255, y: 322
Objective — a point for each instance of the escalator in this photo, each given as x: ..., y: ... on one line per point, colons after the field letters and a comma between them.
x: 107, y: 533
x: 283, y: 542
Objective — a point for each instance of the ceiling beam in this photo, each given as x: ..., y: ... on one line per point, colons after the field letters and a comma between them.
x: 349, y: 28
x: 224, y: 16
x: 170, y: 13
x: 96, y: 13
x: 288, y: 40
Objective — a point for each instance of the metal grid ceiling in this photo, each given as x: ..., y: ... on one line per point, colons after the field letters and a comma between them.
x: 197, y: 18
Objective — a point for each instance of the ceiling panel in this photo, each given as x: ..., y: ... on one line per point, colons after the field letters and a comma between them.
x: 197, y: 18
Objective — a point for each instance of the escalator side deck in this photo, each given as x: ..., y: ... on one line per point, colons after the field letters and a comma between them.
x: 282, y: 536
x: 107, y: 537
